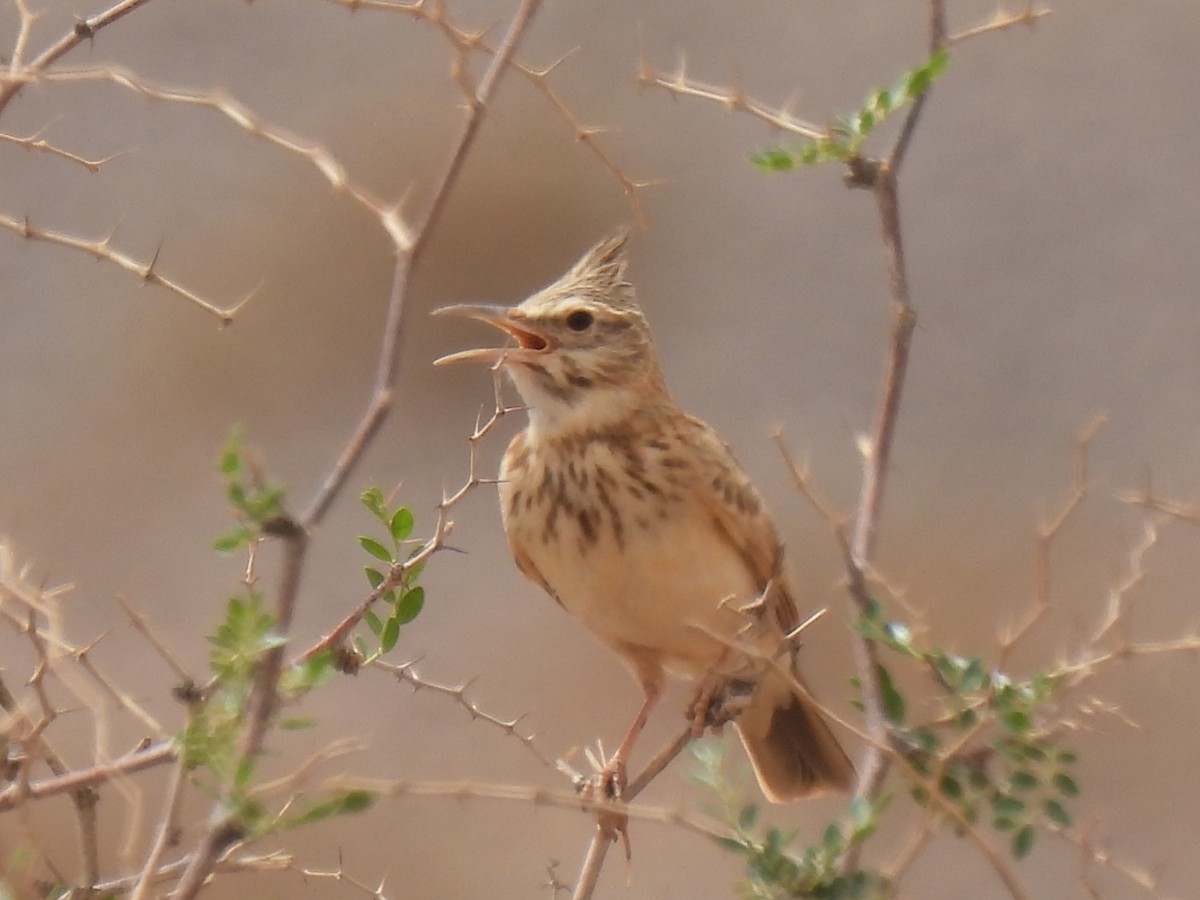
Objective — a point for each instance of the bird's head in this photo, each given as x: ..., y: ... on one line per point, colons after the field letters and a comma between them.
x: 583, y: 349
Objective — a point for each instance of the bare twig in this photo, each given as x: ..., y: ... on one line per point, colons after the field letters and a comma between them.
x: 168, y: 832
x: 341, y: 876
x: 1095, y: 855
x: 102, y: 249
x: 464, y: 42
x: 36, y: 144
x: 19, y: 71
x: 1047, y: 533
x: 327, y: 165
x: 1001, y: 20
x: 538, y: 796
x: 270, y: 862
x: 406, y: 672
x: 733, y: 99
x: 142, y: 624
x: 90, y: 776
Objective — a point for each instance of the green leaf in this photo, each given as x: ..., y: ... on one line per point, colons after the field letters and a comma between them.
x: 410, y: 605
x: 391, y: 633
x: 357, y: 801
x: 401, y: 525
x: 773, y: 159
x: 973, y: 678
x: 351, y: 802
x: 1066, y: 757
x: 1057, y: 813
x: 1022, y: 841
x: 375, y: 548
x: 1017, y: 721
x: 373, y: 622
x: 893, y: 700
x: 832, y: 838
x: 244, y: 771
x: 372, y: 499
x: 1007, y: 805
x: 230, y: 460
x: 233, y: 541
x: 926, y: 738
x: 1065, y: 784
x: 1024, y: 780
x: 950, y: 787
x: 374, y: 576
x: 748, y: 816
x: 1034, y: 752
x: 297, y: 723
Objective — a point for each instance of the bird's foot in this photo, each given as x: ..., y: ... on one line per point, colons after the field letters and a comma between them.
x: 606, y: 786
x: 609, y: 783
x: 718, y: 699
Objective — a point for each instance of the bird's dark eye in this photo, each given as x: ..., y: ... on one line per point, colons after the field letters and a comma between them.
x: 580, y: 320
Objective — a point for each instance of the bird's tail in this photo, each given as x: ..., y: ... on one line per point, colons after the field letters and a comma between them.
x: 793, y: 752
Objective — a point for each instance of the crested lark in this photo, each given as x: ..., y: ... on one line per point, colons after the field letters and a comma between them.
x: 636, y: 518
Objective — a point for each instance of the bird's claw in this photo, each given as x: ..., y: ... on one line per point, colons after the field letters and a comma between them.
x: 717, y: 701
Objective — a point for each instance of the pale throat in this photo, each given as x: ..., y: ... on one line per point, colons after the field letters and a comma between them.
x: 575, y: 409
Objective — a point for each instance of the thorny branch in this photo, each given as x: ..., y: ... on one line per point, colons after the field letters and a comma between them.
x: 1078, y: 491
x: 102, y: 249
x: 19, y: 71
x: 225, y: 831
x: 465, y: 42
x: 407, y: 673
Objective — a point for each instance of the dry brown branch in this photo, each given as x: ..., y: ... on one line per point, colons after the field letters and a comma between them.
x: 143, y: 624
x: 19, y: 72
x: 1079, y: 489
x: 917, y: 841
x: 167, y: 834
x: 1147, y: 499
x: 1094, y: 855
x: 35, y: 144
x: 1001, y: 20
x: 537, y: 796
x: 293, y: 782
x: 407, y: 673
x: 836, y: 522
x: 326, y: 164
x: 228, y: 863
x: 464, y: 42
x: 733, y: 99
x: 90, y: 776
x: 341, y: 876
x: 102, y: 250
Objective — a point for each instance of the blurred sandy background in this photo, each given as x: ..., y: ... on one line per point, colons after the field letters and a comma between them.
x: 1050, y: 210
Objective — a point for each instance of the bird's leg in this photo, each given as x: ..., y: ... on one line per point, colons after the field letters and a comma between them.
x: 611, y: 779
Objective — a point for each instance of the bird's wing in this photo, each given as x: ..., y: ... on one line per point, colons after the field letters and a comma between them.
x: 743, y: 520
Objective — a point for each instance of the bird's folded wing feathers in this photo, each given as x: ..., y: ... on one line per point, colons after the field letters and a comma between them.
x: 742, y: 518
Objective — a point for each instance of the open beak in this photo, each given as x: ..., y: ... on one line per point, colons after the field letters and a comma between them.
x: 528, y: 339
